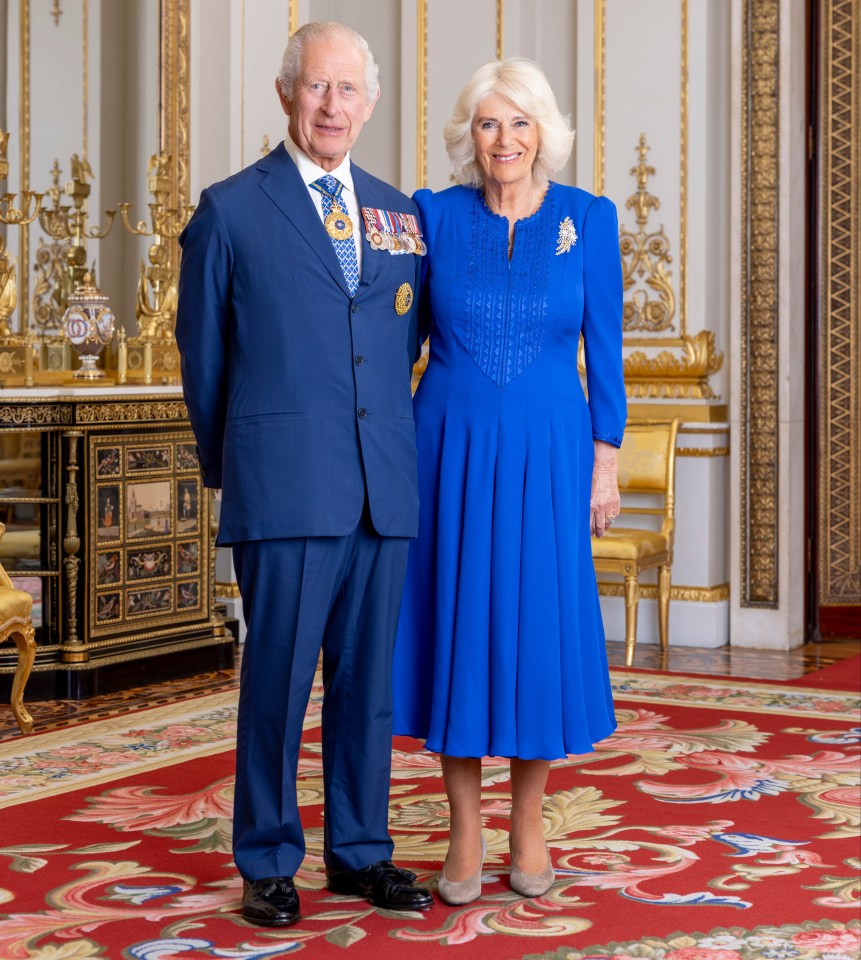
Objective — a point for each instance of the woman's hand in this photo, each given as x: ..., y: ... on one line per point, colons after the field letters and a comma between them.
x: 605, y: 503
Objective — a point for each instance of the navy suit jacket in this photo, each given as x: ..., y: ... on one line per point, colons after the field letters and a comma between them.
x: 298, y: 393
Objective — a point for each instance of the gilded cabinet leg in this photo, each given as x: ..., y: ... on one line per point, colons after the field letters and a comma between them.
x: 25, y: 641
x: 632, y: 597
x: 664, y: 609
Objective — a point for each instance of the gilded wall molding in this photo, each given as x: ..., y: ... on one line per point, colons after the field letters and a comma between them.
x: 671, y: 375
x: 683, y: 173
x: 500, y: 29
x: 175, y: 95
x: 421, y: 93
x: 600, y: 17
x: 649, y: 591
x: 24, y: 157
x: 225, y: 590
x: 85, y: 110
x: 702, y: 451
x: 758, y: 249
x: 839, y: 461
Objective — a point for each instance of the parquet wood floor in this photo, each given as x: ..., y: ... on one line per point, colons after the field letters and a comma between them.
x: 776, y: 665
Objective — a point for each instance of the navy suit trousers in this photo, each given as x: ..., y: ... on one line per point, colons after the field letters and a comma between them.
x: 341, y: 595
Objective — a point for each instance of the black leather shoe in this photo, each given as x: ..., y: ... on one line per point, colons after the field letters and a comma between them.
x: 272, y: 902
x: 384, y: 884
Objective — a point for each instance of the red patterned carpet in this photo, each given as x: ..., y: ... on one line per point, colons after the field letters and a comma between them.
x: 720, y: 822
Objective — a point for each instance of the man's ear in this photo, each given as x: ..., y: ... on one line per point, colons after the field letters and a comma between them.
x: 370, y: 107
x: 285, y: 103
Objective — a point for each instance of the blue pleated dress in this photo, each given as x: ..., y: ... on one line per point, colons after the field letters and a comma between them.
x: 500, y: 646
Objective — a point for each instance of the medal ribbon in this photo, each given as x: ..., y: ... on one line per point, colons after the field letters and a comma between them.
x: 345, y: 249
x: 390, y: 222
x: 334, y: 195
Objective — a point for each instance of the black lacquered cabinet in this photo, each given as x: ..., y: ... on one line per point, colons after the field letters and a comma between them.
x: 110, y: 529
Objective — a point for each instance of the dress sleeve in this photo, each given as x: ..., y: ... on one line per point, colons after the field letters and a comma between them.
x: 423, y: 200
x: 201, y: 331
x: 602, y: 322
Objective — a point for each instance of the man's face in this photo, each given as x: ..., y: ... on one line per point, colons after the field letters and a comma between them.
x: 329, y: 105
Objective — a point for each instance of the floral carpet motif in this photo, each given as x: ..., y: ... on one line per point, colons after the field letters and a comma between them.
x: 720, y: 822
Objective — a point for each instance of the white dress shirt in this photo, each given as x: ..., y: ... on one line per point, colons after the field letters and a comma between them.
x: 309, y: 172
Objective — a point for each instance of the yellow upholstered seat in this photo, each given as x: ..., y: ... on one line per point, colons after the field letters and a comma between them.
x: 647, y: 465
x: 16, y: 624
x: 629, y: 543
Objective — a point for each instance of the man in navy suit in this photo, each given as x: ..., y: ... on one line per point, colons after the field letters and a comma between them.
x: 298, y: 333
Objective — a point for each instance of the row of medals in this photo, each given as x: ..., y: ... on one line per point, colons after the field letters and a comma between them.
x: 340, y: 227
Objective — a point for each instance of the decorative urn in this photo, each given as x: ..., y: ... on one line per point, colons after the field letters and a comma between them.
x: 89, y: 325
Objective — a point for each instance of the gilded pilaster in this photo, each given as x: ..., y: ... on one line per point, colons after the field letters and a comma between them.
x: 758, y: 245
x: 839, y: 460
x: 421, y: 93
x: 175, y: 89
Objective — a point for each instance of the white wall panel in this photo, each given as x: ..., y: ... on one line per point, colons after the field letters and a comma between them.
x: 709, y: 178
x: 211, y: 101
x: 379, y: 22
x: 461, y: 37
x: 266, y: 30
x: 546, y: 32
x: 643, y: 96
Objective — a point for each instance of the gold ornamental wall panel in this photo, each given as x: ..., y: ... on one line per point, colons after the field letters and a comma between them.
x: 839, y: 460
x: 758, y: 246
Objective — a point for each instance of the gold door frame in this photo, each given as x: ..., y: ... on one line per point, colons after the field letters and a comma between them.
x: 838, y: 530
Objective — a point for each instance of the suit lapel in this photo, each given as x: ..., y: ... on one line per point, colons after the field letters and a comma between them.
x: 286, y: 189
x: 367, y: 195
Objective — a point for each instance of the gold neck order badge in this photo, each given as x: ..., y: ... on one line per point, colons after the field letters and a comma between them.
x: 338, y: 224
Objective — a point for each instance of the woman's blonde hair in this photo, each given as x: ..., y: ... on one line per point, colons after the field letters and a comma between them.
x: 525, y: 85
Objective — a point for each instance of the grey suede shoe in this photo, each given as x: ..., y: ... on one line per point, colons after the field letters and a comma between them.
x: 532, y: 884
x: 458, y: 892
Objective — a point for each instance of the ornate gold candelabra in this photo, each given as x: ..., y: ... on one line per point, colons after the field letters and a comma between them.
x: 68, y: 222
x: 14, y: 356
x: 52, y: 280
x: 154, y: 348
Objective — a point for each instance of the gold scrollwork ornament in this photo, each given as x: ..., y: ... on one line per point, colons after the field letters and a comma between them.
x: 646, y: 255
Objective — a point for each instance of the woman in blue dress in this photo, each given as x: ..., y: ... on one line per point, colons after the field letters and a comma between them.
x: 500, y: 648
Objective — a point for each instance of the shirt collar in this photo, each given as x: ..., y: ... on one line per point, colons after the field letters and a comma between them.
x: 309, y: 171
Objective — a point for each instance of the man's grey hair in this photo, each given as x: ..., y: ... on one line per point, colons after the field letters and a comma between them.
x: 291, y: 64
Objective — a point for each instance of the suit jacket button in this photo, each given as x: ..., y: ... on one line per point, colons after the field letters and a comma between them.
x: 362, y: 413
x: 355, y: 308
x: 359, y: 359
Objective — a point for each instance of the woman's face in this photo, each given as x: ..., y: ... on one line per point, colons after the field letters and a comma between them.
x: 506, y: 140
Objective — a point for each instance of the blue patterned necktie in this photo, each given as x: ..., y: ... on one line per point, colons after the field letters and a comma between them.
x: 330, y: 190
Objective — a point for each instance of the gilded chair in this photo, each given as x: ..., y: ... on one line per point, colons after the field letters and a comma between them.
x: 647, y: 465
x: 16, y: 624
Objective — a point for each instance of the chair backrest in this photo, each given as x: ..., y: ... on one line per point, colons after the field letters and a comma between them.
x: 647, y: 464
